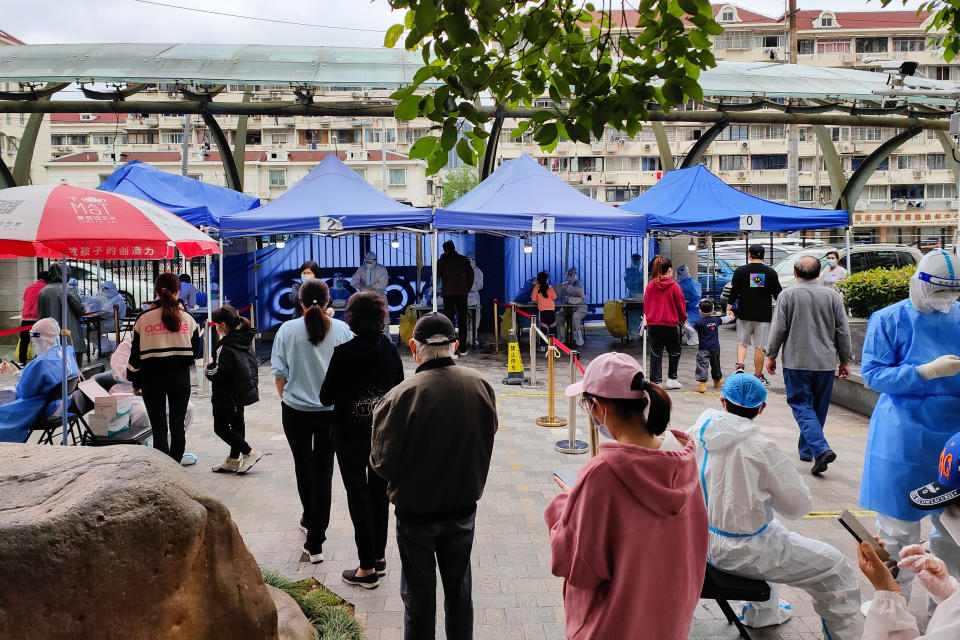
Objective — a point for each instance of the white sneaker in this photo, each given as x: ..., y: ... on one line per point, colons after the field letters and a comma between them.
x: 188, y: 460
x: 578, y: 338
x: 671, y: 384
x: 248, y: 461
x: 230, y: 465
x: 314, y: 558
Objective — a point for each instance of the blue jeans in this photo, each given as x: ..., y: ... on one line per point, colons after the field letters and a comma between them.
x: 424, y: 547
x: 808, y: 394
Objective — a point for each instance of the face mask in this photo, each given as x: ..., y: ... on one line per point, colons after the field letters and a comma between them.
x: 473, y: 263
x: 637, y: 263
x: 942, y: 301
x: 601, y: 427
x: 831, y: 262
x: 305, y: 276
x: 950, y: 519
x: 371, y: 263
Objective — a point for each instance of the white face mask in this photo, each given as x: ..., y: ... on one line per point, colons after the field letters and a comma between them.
x: 950, y: 519
x: 601, y: 426
x: 942, y: 300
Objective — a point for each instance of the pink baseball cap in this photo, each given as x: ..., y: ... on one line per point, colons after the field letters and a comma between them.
x: 610, y: 376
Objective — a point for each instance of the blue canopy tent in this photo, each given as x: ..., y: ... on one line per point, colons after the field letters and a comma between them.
x: 198, y: 203
x: 693, y: 199
x: 522, y: 197
x: 332, y: 198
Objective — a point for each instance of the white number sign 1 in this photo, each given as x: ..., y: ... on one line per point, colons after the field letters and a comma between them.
x: 543, y: 224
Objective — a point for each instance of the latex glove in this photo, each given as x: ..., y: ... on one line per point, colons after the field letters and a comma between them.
x: 942, y: 367
x: 931, y: 572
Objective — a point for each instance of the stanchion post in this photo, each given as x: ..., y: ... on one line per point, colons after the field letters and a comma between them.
x: 571, y: 444
x: 253, y: 325
x: 513, y: 317
x: 496, y: 327
x: 533, y: 354
x: 116, y: 322
x: 551, y: 420
x: 594, y: 441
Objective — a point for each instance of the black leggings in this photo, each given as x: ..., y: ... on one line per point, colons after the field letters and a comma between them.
x: 661, y: 337
x: 229, y: 426
x: 160, y: 389
x: 366, y: 499
x: 310, y: 438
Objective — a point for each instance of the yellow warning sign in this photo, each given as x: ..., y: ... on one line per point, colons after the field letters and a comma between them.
x: 514, y: 363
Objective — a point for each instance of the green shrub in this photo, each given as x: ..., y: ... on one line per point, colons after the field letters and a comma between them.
x: 330, y: 615
x: 868, y: 291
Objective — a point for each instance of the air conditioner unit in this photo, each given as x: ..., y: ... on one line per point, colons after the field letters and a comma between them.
x: 289, y: 122
x: 647, y: 147
x: 741, y: 175
x: 847, y: 57
x: 595, y: 146
x: 610, y: 178
x: 744, y: 145
x: 562, y: 147
x: 918, y: 174
x: 847, y: 174
x: 846, y: 148
x: 611, y: 147
x: 357, y: 155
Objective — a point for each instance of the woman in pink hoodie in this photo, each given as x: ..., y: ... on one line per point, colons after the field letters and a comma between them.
x: 630, y: 538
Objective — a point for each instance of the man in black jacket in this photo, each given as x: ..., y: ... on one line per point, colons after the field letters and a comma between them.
x: 754, y: 287
x: 432, y: 442
x: 456, y: 279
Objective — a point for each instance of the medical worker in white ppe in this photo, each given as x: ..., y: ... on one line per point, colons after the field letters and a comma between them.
x: 473, y: 298
x: 371, y: 276
x: 910, y: 355
x: 572, y: 292
x: 745, y: 478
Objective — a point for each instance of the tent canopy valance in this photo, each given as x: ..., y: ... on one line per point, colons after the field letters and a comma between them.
x: 198, y: 203
x: 694, y: 200
x: 523, y: 197
x: 332, y: 198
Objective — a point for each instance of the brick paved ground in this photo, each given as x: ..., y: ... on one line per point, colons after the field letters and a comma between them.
x: 515, y: 596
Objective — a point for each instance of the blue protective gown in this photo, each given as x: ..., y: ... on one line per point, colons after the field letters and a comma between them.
x: 633, y: 281
x: 41, y: 374
x: 914, y: 417
x: 692, y: 292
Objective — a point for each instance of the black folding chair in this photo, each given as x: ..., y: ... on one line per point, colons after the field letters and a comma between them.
x: 722, y: 586
x: 48, y: 427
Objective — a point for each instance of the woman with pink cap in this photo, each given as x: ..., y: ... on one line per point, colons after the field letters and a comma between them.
x: 608, y: 532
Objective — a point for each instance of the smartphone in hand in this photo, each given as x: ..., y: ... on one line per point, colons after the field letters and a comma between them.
x: 860, y: 533
x: 566, y: 476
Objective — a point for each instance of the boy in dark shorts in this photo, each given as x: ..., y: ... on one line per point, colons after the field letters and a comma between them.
x: 708, y: 357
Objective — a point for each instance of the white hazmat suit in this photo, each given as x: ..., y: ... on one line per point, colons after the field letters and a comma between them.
x: 745, y: 478
x: 473, y: 298
x: 572, y: 292
x: 371, y: 276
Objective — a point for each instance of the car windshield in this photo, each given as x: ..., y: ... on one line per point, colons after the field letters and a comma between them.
x: 785, y: 266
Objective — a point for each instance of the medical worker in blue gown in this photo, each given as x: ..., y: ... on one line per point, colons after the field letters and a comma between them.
x: 633, y: 281
x: 692, y: 292
x: 38, y: 378
x: 910, y: 356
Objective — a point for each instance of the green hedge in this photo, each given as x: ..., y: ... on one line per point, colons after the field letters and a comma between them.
x: 868, y: 291
x: 330, y: 615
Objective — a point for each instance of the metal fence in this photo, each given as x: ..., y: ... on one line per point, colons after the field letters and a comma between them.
x: 134, y: 278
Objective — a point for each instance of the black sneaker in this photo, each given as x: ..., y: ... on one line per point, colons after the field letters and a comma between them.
x: 740, y: 368
x: 381, y: 567
x: 371, y: 581
x: 762, y: 378
x: 806, y: 459
x: 821, y: 462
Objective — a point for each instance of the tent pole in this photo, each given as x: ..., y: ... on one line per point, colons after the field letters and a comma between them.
x: 770, y: 260
x: 64, y: 418
x: 646, y: 276
x: 713, y: 266
x: 220, y: 274
x: 433, y: 261
x: 208, y: 349
x: 846, y: 237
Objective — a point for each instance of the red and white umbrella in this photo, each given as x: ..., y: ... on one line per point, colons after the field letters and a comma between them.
x: 54, y: 221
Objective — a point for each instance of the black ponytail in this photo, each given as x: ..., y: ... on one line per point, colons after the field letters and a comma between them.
x: 314, y: 297
x: 230, y: 317
x: 167, y: 287
x: 660, y: 405
x: 544, y: 286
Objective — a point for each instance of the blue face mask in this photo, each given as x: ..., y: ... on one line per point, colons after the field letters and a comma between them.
x: 637, y: 263
x: 831, y: 262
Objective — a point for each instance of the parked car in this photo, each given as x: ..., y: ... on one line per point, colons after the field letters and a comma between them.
x: 723, y: 271
x: 862, y: 258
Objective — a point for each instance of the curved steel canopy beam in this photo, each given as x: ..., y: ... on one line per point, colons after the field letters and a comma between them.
x: 34, y: 94
x: 229, y: 166
x: 202, y: 96
x: 490, y: 153
x: 708, y: 136
x: 6, y: 178
x: 851, y: 192
x: 116, y: 94
x: 722, y: 106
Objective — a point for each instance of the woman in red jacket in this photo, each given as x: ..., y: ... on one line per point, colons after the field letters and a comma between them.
x: 664, y: 308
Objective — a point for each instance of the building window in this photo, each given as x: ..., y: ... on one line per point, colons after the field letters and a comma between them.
x: 733, y: 163
x: 936, y: 161
x: 767, y: 132
x: 614, y: 163
x: 871, y: 45
x: 397, y: 177
x: 254, y: 137
x: 909, y: 43
x: 171, y: 138
x: 906, y: 162
x: 590, y: 192
x: 651, y: 163
x: 735, y: 132
x: 734, y: 40
x: 856, y: 161
x: 827, y: 21
x: 622, y: 194
x: 360, y: 171
x: 109, y: 139
x: 142, y: 137
x: 806, y: 163
x: 313, y: 136
x: 728, y: 16
x: 346, y: 136
x: 772, y: 161
x: 839, y: 134
x: 867, y: 134
x: 70, y: 138
x: 278, y: 138
x: 833, y: 46
x: 765, y: 41
x: 806, y: 194
x: 775, y: 192
x: 805, y: 47
x: 945, y: 191
x: 908, y: 191
x: 587, y: 165
x: 874, y: 192
x: 374, y: 135
x: 278, y: 177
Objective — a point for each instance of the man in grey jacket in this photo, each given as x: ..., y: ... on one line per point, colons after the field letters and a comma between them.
x: 432, y: 442
x: 810, y: 325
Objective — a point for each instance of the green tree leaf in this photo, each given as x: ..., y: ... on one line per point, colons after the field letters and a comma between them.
x: 408, y: 108
x: 423, y: 147
x: 393, y: 34
x: 465, y: 152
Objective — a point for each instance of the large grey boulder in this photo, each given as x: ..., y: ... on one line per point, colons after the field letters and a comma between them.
x: 291, y: 622
x: 118, y: 542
